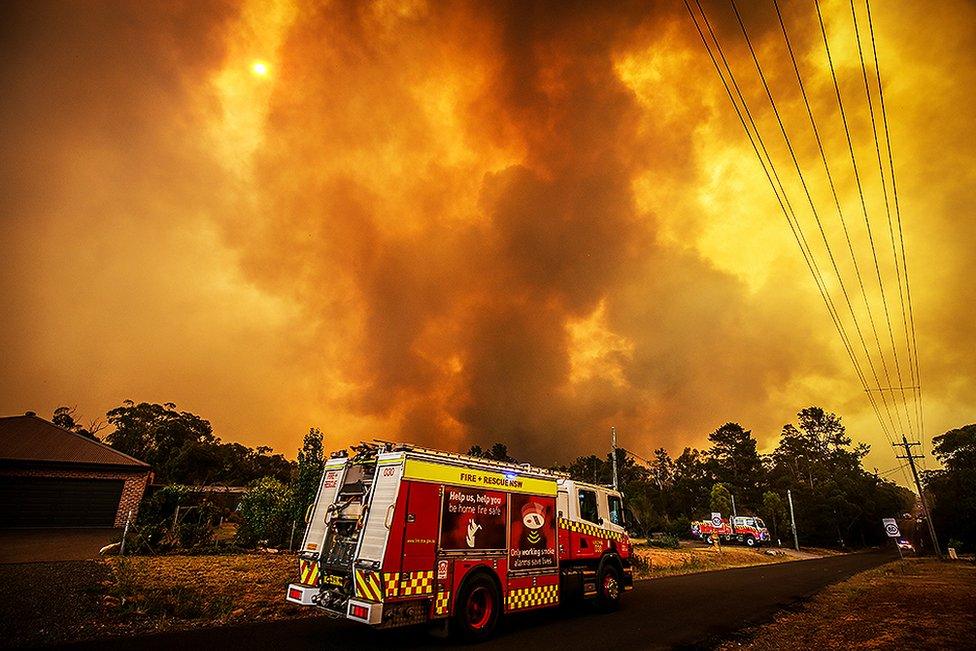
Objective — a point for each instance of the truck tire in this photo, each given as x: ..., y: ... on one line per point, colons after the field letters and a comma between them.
x: 750, y: 541
x: 608, y: 588
x: 476, y: 610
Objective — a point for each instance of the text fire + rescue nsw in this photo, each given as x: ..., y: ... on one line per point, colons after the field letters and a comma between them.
x: 491, y: 480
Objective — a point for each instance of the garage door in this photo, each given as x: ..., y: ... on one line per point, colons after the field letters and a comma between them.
x: 29, y: 502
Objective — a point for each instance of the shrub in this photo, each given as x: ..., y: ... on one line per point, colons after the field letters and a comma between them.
x: 170, y: 520
x: 150, y: 533
x: 265, y: 514
x: 665, y: 541
x: 679, y: 528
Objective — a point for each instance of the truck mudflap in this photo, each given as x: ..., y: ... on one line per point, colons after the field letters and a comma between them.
x: 628, y: 578
x: 308, y: 570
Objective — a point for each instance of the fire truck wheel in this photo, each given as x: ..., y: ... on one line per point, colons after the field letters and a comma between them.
x: 750, y: 541
x: 608, y: 588
x: 476, y: 610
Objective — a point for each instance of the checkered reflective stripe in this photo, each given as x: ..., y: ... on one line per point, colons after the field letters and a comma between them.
x: 368, y: 585
x: 416, y: 583
x: 540, y: 595
x: 390, y: 582
x: 441, y: 603
x: 589, y: 529
x: 308, y: 572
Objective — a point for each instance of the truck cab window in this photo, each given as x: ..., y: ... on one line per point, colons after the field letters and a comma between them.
x: 587, y: 506
x: 616, y: 510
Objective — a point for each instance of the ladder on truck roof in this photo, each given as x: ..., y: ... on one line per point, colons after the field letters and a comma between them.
x: 467, y: 458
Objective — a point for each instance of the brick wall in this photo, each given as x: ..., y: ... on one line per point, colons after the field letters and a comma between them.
x: 134, y: 487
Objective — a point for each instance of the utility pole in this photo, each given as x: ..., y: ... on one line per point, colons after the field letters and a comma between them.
x: 732, y: 495
x: 613, y: 453
x: 918, y: 484
x: 789, y: 498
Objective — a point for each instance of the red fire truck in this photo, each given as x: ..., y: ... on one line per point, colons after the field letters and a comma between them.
x: 748, y: 530
x: 401, y: 535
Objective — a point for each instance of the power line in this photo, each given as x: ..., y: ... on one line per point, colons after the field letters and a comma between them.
x: 813, y: 209
x: 860, y: 189
x: 833, y: 190
x: 783, y: 200
x: 779, y: 191
x: 840, y: 212
x: 891, y: 470
x: 894, y: 191
x: 884, y: 192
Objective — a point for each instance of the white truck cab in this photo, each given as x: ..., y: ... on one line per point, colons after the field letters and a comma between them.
x: 598, y: 505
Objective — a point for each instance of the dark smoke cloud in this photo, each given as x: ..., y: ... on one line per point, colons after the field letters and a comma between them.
x: 448, y: 223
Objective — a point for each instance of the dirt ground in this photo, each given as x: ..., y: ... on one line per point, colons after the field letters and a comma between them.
x: 910, y: 604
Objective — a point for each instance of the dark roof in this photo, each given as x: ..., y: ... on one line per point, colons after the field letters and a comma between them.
x: 30, y: 438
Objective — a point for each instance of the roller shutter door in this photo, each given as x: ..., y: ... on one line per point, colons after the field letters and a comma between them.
x: 34, y: 502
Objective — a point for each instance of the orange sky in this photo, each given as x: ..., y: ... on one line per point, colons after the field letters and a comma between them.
x: 455, y: 223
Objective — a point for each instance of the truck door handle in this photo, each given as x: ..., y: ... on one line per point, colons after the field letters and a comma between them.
x: 388, y: 520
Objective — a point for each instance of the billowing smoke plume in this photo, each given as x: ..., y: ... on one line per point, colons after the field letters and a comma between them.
x: 447, y: 223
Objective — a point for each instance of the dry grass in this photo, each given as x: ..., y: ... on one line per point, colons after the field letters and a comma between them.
x: 159, y: 592
x: 83, y: 600
x: 210, y: 587
x: 910, y: 604
x: 666, y: 562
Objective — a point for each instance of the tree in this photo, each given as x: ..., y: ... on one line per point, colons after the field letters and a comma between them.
x: 734, y: 461
x: 838, y: 502
x: 265, y: 514
x: 662, y: 469
x: 182, y: 448
x: 824, y: 427
x: 773, y: 510
x: 311, y: 462
x: 720, y: 500
x: 690, y: 488
x: 157, y: 434
x: 497, y: 452
x: 64, y: 417
x: 953, y: 489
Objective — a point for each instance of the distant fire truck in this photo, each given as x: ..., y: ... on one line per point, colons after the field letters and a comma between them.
x: 748, y: 530
x: 403, y: 535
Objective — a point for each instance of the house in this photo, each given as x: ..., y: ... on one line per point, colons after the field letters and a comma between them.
x: 52, y: 477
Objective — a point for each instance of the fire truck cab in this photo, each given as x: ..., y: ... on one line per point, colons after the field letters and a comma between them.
x: 403, y: 535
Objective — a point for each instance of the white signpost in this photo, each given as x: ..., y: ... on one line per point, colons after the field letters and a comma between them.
x: 716, y: 519
x: 891, y: 527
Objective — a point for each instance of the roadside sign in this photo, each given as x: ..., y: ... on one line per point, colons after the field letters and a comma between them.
x: 716, y: 519
x: 891, y: 527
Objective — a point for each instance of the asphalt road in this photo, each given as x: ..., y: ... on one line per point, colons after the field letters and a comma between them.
x: 690, y: 611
